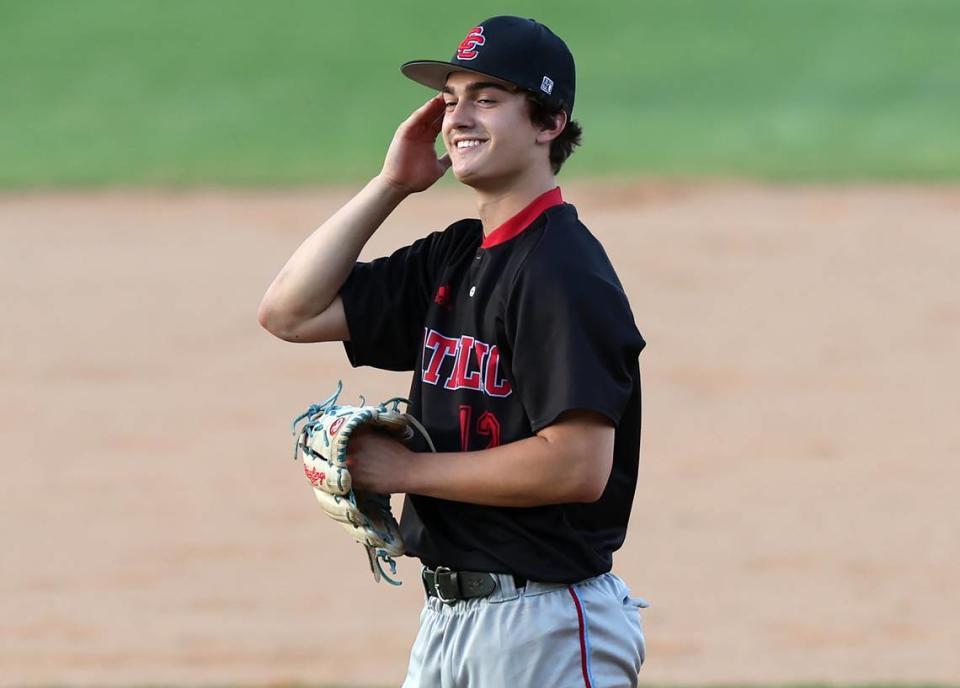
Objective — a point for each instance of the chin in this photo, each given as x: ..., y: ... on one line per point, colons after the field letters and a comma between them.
x: 479, y: 178
x: 466, y: 176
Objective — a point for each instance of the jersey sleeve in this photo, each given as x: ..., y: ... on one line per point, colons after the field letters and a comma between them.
x: 385, y: 302
x: 573, y: 337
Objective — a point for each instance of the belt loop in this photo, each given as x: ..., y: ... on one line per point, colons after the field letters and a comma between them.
x: 506, y: 590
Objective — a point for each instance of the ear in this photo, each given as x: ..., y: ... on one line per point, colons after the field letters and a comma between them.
x: 559, y: 123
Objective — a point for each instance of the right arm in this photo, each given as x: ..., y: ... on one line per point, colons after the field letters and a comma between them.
x: 303, y: 303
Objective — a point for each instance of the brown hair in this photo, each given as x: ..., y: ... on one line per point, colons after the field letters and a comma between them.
x: 543, y: 114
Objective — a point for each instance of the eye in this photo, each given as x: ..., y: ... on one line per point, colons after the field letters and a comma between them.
x: 486, y: 101
x: 449, y: 104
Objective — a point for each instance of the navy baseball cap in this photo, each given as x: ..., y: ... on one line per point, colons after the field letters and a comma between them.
x: 520, y: 51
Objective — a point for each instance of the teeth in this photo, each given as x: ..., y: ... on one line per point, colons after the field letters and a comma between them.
x: 469, y: 143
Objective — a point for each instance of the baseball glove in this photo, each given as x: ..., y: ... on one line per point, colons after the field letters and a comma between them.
x: 322, y: 443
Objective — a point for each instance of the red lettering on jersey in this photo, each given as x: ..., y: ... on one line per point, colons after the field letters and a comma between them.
x: 441, y: 347
x: 481, y: 349
x: 460, y: 378
x: 468, y: 46
x: 464, y: 350
x: 492, y: 386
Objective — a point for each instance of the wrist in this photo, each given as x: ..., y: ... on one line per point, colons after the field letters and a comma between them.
x: 390, y: 189
x: 409, y: 478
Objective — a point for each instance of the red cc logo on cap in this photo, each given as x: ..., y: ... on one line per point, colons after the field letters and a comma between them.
x: 468, y: 46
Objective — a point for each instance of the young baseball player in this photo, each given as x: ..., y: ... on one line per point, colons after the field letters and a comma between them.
x: 525, y: 360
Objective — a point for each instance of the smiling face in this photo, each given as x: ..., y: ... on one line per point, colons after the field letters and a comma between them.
x: 488, y: 133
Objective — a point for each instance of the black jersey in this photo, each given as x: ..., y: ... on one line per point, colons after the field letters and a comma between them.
x: 504, y: 334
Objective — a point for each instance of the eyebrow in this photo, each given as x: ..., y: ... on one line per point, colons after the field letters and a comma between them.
x: 475, y: 86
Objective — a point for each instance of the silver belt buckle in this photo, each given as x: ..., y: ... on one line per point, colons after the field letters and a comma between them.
x: 436, y: 584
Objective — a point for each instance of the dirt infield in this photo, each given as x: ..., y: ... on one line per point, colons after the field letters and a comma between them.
x: 792, y: 521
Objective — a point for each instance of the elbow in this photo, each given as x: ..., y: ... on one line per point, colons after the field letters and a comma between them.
x: 265, y: 317
x: 298, y: 327
x: 591, y: 489
x: 275, y: 322
x: 582, y: 446
x: 590, y: 482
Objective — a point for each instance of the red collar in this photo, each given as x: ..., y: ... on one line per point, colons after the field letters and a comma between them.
x: 524, y: 218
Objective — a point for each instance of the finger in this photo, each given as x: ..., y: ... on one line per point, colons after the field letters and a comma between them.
x: 441, y: 108
x: 427, y: 112
x: 433, y: 117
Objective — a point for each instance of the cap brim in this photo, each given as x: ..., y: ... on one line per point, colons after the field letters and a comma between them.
x: 434, y: 73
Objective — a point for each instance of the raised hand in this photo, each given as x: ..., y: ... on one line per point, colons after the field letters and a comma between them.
x: 411, y: 164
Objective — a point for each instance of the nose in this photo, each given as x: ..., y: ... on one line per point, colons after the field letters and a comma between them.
x: 459, y: 116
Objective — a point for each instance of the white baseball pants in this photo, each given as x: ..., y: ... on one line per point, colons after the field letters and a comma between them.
x: 544, y: 635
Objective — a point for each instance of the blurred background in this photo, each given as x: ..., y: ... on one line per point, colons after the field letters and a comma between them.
x: 182, y: 93
x: 775, y: 182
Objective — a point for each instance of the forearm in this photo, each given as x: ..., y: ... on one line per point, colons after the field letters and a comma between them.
x: 529, y: 472
x: 301, y: 303
x: 314, y: 274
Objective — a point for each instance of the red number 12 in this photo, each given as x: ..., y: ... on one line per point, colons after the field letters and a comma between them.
x: 487, y: 426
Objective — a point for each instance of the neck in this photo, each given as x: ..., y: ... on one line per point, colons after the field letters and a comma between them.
x: 497, y: 205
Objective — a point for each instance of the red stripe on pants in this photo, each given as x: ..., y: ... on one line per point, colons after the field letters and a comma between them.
x: 583, y: 639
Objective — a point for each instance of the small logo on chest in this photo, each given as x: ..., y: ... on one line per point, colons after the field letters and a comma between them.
x: 442, y: 298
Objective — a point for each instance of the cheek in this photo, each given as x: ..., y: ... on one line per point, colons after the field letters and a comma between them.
x: 445, y: 133
x: 518, y: 129
x: 515, y: 141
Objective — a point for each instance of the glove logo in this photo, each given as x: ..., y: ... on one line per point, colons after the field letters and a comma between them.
x: 468, y: 46
x: 315, y: 477
x: 335, y: 427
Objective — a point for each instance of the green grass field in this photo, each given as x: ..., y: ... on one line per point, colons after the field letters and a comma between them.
x: 144, y: 92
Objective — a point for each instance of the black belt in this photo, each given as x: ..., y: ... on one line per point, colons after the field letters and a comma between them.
x: 452, y: 586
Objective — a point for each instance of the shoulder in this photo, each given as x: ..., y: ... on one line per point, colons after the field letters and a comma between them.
x: 564, y: 251
x: 566, y: 271
x: 461, y: 236
x: 442, y: 246
x: 567, y: 287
